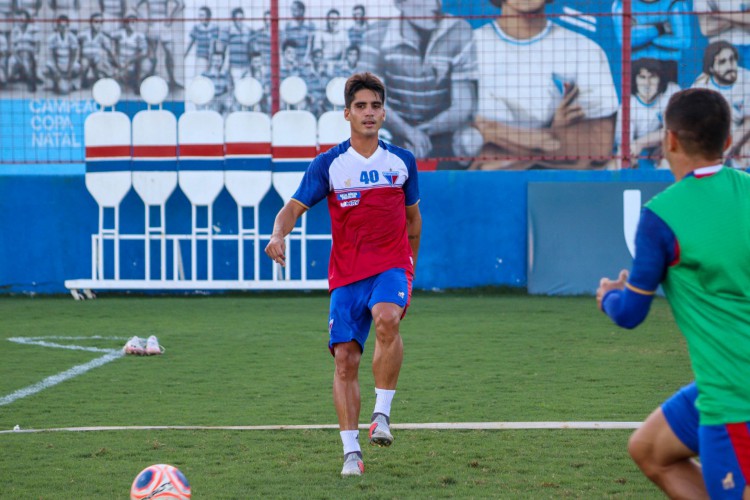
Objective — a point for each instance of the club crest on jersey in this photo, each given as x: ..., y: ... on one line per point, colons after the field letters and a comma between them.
x: 392, y: 176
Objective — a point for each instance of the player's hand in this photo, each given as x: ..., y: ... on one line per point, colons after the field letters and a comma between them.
x: 276, y: 250
x: 520, y: 141
x: 568, y: 112
x: 606, y: 285
x: 419, y: 143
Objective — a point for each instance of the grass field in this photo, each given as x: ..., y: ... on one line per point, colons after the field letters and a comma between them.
x: 256, y: 359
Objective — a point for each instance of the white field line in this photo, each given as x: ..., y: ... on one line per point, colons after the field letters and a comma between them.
x: 425, y: 426
x: 60, y: 377
x: 110, y: 355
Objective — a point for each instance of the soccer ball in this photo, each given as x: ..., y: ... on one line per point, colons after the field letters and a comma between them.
x: 160, y: 481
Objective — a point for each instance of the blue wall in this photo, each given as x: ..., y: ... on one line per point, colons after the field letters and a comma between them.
x: 474, y: 234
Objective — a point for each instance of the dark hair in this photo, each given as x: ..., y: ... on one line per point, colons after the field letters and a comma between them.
x: 333, y: 11
x: 701, y: 119
x: 653, y: 66
x: 359, y: 81
x: 713, y: 50
x: 95, y: 15
x: 207, y: 10
x: 237, y: 10
x: 353, y: 46
x: 289, y: 43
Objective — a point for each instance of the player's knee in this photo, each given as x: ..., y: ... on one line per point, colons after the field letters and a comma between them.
x: 347, y: 361
x: 641, y: 453
x: 386, y: 323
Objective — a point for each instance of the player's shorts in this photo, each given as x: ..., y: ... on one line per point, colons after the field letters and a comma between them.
x: 682, y: 415
x: 725, y: 458
x: 160, y: 31
x: 351, y: 305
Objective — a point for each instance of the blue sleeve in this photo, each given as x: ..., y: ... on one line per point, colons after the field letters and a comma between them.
x: 681, y: 34
x: 655, y: 251
x: 315, y: 184
x: 411, y: 186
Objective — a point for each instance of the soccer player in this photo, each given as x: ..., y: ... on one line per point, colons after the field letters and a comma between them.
x: 159, y: 33
x: 726, y: 20
x: 333, y: 40
x: 63, y: 65
x: 660, y: 30
x: 359, y: 25
x: 300, y: 31
x: 722, y: 74
x: 650, y: 94
x: 204, y: 36
x: 693, y: 240
x: 132, y: 50
x: 237, y: 38
x: 546, y: 94
x: 665, y: 446
x: 24, y: 51
x: 427, y: 60
x: 96, y: 52
x: 223, y: 84
x: 373, y: 198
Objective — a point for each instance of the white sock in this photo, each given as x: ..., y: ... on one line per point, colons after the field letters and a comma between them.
x: 383, y: 398
x: 351, y: 441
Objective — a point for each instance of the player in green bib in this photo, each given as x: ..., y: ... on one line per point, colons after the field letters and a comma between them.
x: 694, y: 239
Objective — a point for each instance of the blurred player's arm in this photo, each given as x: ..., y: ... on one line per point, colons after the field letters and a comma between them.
x: 740, y: 138
x: 583, y: 142
x: 282, y: 226
x: 414, y: 229
x: 463, y: 99
x: 627, y: 299
x: 677, y: 32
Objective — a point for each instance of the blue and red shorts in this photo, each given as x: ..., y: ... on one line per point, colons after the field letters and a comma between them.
x: 725, y: 458
x: 351, y: 305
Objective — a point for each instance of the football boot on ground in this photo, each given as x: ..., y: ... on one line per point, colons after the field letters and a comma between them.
x: 353, y: 464
x: 152, y: 346
x: 135, y: 345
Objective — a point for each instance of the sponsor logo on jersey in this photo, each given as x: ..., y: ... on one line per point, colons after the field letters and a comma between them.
x: 350, y: 203
x: 392, y: 176
x: 350, y: 195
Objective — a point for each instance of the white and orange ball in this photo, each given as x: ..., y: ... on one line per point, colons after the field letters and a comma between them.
x: 160, y: 481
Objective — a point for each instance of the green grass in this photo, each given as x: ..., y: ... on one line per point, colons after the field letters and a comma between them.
x: 261, y: 359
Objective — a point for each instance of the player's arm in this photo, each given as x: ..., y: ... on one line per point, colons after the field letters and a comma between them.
x: 282, y: 226
x: 583, y: 143
x: 733, y: 18
x: 414, y: 230
x: 679, y: 34
x: 463, y: 100
x: 627, y: 300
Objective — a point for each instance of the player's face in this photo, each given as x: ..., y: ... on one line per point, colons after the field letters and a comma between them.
x: 525, y: 6
x: 203, y: 16
x: 647, y: 85
x: 333, y: 21
x: 365, y: 114
x: 423, y: 14
x: 725, y: 67
x: 358, y: 13
x: 352, y: 57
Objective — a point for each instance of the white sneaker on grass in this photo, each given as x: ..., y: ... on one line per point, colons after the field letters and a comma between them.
x: 135, y: 345
x: 380, y: 431
x: 152, y: 346
x: 353, y: 464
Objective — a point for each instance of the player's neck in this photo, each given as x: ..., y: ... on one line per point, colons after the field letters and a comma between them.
x: 522, y: 26
x: 364, y: 145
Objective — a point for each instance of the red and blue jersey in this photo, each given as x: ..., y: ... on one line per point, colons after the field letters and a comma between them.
x: 367, y: 200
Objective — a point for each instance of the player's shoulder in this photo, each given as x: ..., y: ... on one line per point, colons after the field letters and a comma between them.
x: 327, y: 157
x: 404, y: 154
